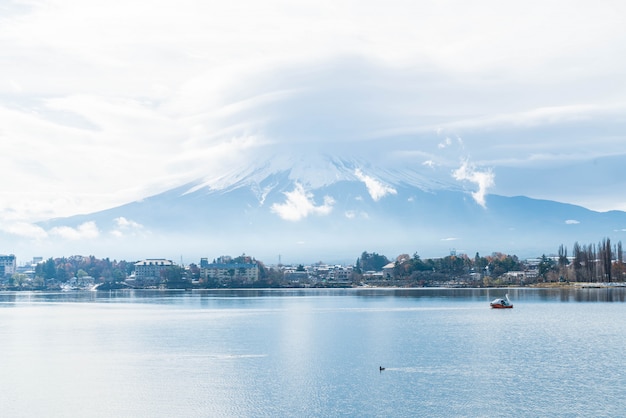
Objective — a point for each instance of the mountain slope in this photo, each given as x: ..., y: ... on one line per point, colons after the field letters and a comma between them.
x: 267, y: 214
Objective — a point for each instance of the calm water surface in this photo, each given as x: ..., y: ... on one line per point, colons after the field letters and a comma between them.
x: 313, y: 353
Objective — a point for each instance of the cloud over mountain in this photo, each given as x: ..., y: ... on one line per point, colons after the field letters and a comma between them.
x: 300, y: 204
x: 482, y: 179
x: 87, y: 230
x: 376, y: 189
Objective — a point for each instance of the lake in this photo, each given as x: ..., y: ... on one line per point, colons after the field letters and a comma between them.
x: 312, y: 353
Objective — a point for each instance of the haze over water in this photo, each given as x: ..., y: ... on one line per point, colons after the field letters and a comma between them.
x: 313, y: 353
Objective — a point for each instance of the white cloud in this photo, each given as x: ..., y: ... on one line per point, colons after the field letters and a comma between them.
x: 572, y: 222
x: 125, y: 227
x: 483, y: 179
x: 353, y: 214
x: 25, y: 229
x: 449, y: 239
x: 375, y: 188
x: 87, y: 230
x: 124, y: 223
x: 445, y: 143
x: 300, y: 204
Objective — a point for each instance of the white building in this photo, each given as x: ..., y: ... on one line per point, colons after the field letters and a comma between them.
x: 388, y: 270
x: 246, y: 272
x: 150, y: 270
x: 7, y: 265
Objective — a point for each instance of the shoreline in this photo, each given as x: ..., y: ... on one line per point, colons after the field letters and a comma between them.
x: 580, y: 285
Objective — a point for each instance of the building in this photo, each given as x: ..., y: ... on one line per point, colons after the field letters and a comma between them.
x: 388, y: 270
x: 293, y: 275
x: 245, y: 272
x: 341, y: 273
x: 514, y: 277
x: 8, y: 265
x: 149, y: 271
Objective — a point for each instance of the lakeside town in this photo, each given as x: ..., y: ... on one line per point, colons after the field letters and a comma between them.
x: 594, y: 263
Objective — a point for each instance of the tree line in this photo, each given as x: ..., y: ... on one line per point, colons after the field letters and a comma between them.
x: 64, y: 268
x: 445, y: 268
x: 601, y: 262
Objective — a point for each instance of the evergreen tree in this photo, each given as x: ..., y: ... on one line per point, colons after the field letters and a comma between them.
x: 545, y: 266
x: 373, y: 261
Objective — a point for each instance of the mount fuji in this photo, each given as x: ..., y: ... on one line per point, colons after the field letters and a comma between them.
x: 331, y: 210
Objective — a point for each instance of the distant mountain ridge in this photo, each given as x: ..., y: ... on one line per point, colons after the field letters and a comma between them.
x: 336, y: 214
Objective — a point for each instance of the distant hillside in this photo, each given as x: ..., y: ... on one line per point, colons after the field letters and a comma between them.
x: 337, y: 221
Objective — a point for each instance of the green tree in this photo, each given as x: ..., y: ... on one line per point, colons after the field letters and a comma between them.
x: 17, y: 279
x: 503, y: 263
x: 48, y: 269
x: 173, y: 277
x: 546, y: 265
x: 372, y: 262
x: 194, y: 271
x: 61, y: 274
x: 480, y: 263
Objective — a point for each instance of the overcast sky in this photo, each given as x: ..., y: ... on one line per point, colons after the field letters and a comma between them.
x: 105, y: 102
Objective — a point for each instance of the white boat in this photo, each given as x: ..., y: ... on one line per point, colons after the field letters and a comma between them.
x: 501, y: 303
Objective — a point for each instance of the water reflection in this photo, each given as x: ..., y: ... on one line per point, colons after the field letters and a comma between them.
x: 570, y: 294
x: 219, y: 296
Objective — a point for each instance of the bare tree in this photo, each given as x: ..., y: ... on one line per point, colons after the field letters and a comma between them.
x: 588, y: 257
x: 578, y: 254
x: 563, y: 262
x: 605, y: 257
x: 619, y: 263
